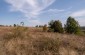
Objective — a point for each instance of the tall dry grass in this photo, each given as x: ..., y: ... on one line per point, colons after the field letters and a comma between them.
x: 33, y: 41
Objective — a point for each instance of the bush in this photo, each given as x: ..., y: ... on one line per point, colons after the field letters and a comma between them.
x: 45, y: 28
x: 72, y: 26
x: 56, y: 26
x: 36, y: 26
x: 50, y: 30
x: 19, y: 31
x: 44, y: 44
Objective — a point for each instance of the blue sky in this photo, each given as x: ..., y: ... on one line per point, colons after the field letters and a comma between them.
x: 33, y: 12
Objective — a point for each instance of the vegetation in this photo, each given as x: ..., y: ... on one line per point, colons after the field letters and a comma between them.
x: 72, y: 26
x: 20, y: 40
x: 45, y: 28
x: 56, y: 26
x: 36, y: 26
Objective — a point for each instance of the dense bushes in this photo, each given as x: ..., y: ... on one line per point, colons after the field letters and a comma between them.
x: 56, y: 26
x: 17, y: 32
x: 71, y: 26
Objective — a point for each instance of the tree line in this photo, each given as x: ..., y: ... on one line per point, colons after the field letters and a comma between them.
x: 72, y: 26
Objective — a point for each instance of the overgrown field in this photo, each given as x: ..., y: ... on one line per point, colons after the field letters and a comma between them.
x: 33, y: 41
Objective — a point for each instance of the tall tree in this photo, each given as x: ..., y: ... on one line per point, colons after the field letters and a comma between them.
x: 51, y: 24
x: 72, y: 26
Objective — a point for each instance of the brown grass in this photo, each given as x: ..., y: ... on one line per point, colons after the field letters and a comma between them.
x: 33, y: 41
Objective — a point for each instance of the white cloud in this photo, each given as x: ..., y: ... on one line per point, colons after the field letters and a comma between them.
x: 79, y: 16
x: 30, y: 8
x: 78, y: 13
x: 51, y: 11
x: 35, y: 22
x: 54, y: 10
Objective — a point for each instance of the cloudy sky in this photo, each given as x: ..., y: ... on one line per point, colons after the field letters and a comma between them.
x: 33, y: 12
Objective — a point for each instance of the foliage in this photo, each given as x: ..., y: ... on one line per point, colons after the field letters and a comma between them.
x: 72, y: 26
x: 51, y: 24
x: 56, y: 26
x: 19, y: 31
x: 47, y: 44
x: 45, y: 28
x: 50, y: 30
x: 40, y: 25
x: 36, y: 26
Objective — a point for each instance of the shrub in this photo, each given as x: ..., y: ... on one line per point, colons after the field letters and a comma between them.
x: 51, y: 24
x: 45, y: 28
x: 50, y: 30
x: 19, y: 31
x: 44, y: 44
x: 56, y: 26
x: 72, y: 26
x: 36, y: 26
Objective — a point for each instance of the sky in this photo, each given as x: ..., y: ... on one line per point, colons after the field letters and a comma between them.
x: 40, y: 12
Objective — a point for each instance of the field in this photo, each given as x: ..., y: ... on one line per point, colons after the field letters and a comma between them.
x: 33, y: 41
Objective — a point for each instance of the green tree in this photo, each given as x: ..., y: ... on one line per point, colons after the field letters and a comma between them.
x: 36, y: 26
x: 51, y: 24
x: 56, y: 26
x: 72, y: 26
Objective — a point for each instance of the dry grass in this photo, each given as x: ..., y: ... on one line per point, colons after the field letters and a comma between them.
x: 33, y: 41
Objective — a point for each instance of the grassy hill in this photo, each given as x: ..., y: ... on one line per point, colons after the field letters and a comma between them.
x: 33, y: 41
